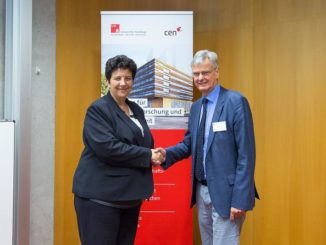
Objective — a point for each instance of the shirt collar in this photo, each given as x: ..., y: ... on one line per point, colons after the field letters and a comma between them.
x: 214, y: 94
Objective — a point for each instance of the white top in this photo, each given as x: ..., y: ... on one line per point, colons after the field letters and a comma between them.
x: 135, y: 120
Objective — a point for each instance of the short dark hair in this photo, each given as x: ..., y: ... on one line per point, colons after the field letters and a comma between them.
x: 120, y: 62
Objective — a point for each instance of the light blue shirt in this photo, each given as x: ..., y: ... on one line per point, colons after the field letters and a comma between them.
x: 211, y: 104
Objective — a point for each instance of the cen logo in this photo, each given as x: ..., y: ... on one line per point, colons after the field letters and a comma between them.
x: 172, y: 33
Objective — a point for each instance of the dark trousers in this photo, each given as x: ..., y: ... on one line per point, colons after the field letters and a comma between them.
x: 103, y: 225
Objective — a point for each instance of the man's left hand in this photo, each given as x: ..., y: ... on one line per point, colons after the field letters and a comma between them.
x: 236, y: 213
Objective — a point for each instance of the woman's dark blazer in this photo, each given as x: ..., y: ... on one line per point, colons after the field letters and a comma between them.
x: 115, y: 164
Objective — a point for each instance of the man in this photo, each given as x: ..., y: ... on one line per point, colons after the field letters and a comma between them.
x: 220, y: 138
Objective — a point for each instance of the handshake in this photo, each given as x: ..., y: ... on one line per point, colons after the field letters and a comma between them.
x: 158, y: 156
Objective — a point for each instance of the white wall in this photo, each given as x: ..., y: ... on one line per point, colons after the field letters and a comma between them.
x: 7, y: 156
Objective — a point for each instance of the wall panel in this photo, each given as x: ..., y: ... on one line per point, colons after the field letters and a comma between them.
x: 2, y: 55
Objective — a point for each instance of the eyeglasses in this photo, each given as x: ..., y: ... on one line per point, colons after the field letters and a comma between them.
x: 203, y: 73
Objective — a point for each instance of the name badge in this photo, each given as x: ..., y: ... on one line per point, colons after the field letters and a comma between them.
x: 219, y: 126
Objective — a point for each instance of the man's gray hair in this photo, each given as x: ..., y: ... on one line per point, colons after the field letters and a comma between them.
x: 201, y: 55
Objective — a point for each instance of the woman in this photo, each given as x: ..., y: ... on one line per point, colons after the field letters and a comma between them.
x: 114, y: 172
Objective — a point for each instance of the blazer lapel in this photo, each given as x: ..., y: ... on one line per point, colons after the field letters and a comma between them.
x: 195, y: 119
x: 216, y: 116
x: 134, y: 128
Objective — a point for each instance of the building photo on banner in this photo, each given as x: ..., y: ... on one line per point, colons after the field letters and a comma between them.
x: 161, y: 44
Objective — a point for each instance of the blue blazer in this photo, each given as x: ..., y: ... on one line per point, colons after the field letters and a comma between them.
x: 115, y: 164
x: 230, y: 158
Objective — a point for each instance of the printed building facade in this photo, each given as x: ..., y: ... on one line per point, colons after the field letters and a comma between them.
x: 163, y: 86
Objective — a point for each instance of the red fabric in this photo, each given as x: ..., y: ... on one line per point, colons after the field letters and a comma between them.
x: 167, y: 217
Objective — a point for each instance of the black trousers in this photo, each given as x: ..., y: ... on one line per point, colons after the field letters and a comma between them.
x: 103, y: 225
